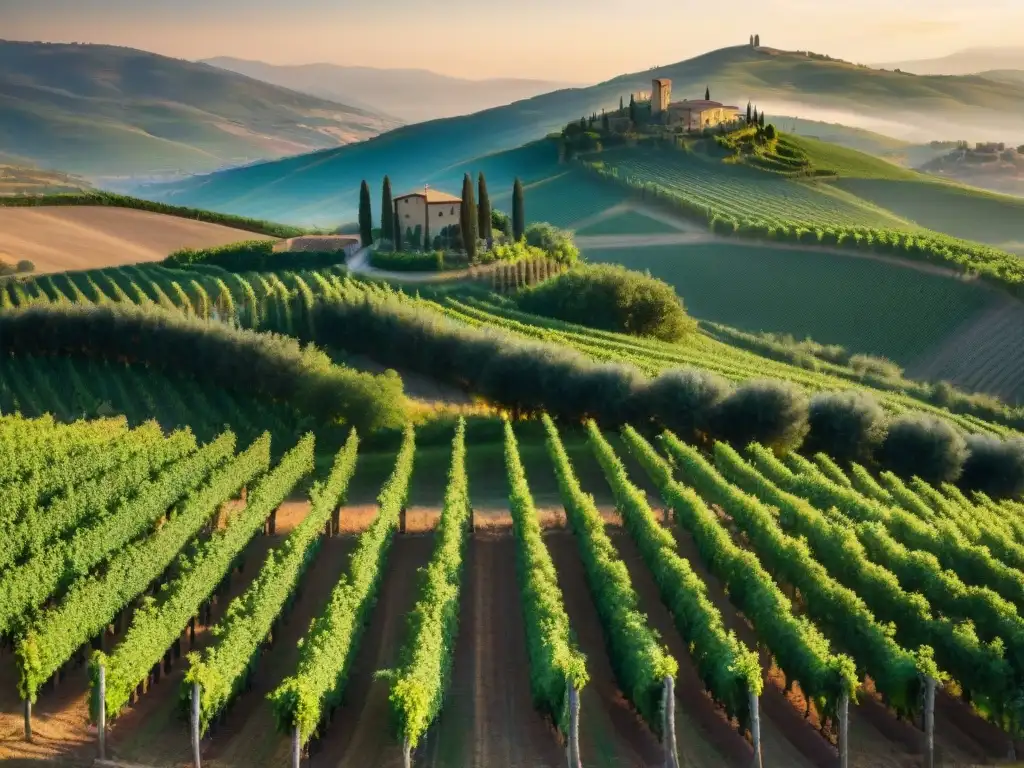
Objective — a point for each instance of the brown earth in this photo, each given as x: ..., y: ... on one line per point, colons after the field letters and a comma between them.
x: 88, y: 237
x: 489, y: 719
x: 360, y: 735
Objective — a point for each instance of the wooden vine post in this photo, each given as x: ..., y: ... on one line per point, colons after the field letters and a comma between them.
x: 296, y: 747
x: 755, y: 729
x: 929, y: 721
x: 573, y: 747
x: 668, y: 723
x: 844, y: 730
x: 101, y: 709
x: 28, y: 720
x: 196, y: 692
x: 401, y: 519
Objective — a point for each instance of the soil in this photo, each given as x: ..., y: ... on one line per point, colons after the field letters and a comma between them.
x: 360, y: 735
x: 488, y: 718
x: 62, y: 238
x: 611, y: 734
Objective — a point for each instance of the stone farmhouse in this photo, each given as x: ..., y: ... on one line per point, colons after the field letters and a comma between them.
x: 430, y: 209
x: 690, y: 115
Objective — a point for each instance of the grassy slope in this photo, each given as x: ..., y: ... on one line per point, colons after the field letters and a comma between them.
x: 959, y: 211
x: 865, y: 305
x: 322, y: 187
x: 109, y: 111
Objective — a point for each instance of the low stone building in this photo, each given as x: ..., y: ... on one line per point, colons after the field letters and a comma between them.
x: 690, y: 115
x: 700, y: 113
x: 415, y: 209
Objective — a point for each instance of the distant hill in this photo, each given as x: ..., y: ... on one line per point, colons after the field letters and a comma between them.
x: 1004, y: 75
x: 21, y: 180
x: 412, y: 95
x: 322, y: 187
x: 107, y: 111
x: 966, y: 62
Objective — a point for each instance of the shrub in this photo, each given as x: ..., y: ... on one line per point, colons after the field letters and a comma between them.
x: 994, y: 466
x: 557, y: 243
x: 406, y: 261
x: 870, y: 365
x: 773, y: 413
x: 925, y: 447
x: 253, y: 256
x: 612, y: 298
x: 683, y: 400
x: 501, y: 222
x: 25, y: 266
x: 847, y: 426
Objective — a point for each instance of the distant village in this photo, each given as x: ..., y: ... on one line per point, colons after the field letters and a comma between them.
x: 654, y: 114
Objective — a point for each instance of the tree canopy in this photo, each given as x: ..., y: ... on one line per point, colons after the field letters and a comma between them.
x: 612, y: 298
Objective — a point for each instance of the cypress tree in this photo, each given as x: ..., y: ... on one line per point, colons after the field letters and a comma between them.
x: 757, y: 41
x: 707, y: 94
x: 518, y: 212
x: 468, y: 218
x: 632, y: 109
x: 387, y: 213
x: 484, y: 210
x: 622, y: 108
x: 749, y: 116
x: 761, y: 121
x: 365, y: 215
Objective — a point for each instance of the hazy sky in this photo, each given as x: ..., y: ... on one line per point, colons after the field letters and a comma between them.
x: 569, y: 40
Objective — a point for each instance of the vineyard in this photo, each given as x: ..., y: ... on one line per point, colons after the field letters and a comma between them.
x: 741, y: 192
x: 224, y: 544
x: 287, y: 302
x: 167, y: 608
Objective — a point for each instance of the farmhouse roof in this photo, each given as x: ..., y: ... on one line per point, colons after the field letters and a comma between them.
x: 432, y: 196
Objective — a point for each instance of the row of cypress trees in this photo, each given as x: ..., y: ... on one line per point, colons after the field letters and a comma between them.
x: 475, y: 218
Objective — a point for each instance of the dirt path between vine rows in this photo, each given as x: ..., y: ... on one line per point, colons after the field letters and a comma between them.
x: 360, y: 734
x: 488, y: 718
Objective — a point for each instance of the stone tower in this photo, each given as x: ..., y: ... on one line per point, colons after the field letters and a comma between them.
x: 661, y: 95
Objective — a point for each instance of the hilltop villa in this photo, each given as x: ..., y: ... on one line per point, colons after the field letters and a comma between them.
x: 414, y: 208
x: 691, y: 115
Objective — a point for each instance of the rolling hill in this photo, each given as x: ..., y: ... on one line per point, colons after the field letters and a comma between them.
x: 107, y: 111
x: 321, y: 187
x: 966, y: 62
x: 412, y: 95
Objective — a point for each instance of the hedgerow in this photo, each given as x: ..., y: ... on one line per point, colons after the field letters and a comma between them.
x: 260, y: 365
